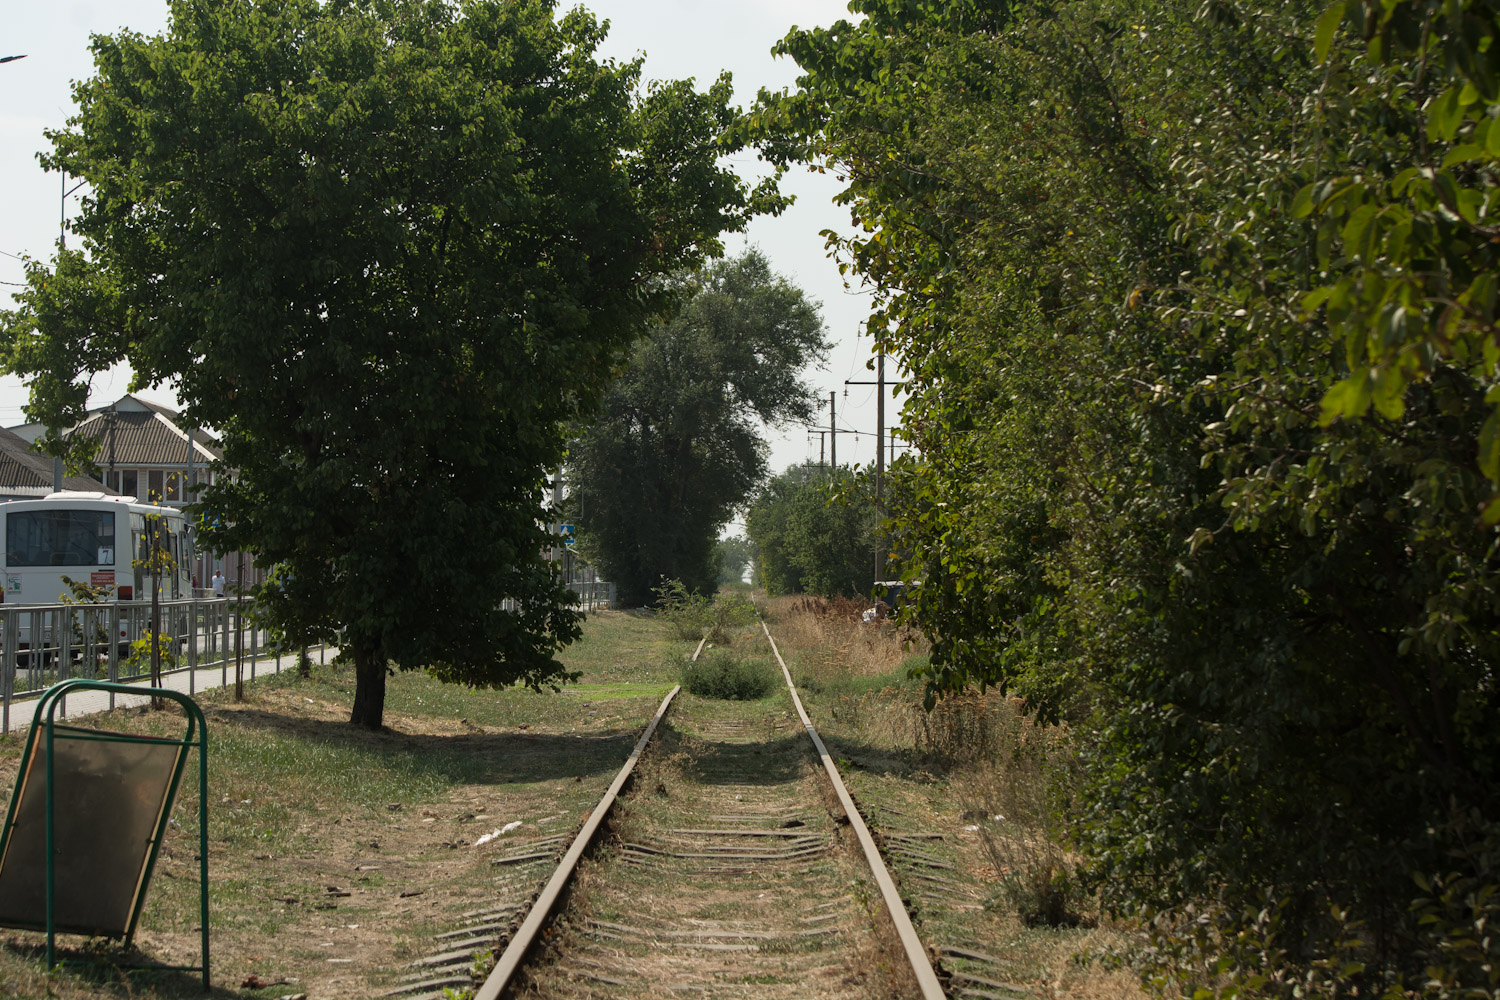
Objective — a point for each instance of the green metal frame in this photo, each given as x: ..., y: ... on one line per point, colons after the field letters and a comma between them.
x: 197, y: 727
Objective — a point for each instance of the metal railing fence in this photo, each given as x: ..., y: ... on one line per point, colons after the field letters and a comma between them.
x: 594, y: 595
x: 42, y: 644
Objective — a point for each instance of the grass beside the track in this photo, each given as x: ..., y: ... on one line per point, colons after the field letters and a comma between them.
x: 304, y: 807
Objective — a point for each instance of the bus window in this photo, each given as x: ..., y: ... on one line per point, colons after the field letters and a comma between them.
x: 140, y: 548
x: 60, y: 538
x: 174, y: 567
x: 144, y: 531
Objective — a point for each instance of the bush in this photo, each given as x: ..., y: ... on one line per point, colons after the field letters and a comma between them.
x: 139, y: 658
x: 1265, y: 951
x: 730, y: 610
x: 718, y: 673
x: 684, y: 612
x: 692, y: 616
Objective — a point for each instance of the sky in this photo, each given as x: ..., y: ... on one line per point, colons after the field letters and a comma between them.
x: 678, y: 38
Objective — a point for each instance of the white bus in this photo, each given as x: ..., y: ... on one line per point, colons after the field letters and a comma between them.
x: 94, y: 538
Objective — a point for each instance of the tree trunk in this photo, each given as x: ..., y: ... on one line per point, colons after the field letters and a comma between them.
x: 369, y: 688
x: 157, y: 702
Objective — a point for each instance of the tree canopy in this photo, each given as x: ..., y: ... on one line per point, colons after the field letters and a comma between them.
x: 814, y: 532
x: 677, y: 447
x: 389, y: 250
x: 734, y: 555
x: 1195, y: 308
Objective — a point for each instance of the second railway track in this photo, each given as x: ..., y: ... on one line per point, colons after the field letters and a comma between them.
x: 738, y: 867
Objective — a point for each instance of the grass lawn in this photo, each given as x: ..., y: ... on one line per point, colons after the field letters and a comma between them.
x: 336, y: 854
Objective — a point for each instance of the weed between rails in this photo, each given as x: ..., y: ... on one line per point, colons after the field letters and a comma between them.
x: 719, y: 673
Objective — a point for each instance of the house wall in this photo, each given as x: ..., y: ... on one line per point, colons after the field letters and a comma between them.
x: 161, y: 485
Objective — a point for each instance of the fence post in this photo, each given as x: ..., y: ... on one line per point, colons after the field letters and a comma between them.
x: 11, y: 641
x: 62, y: 628
x: 114, y: 615
x: 33, y: 647
x: 192, y: 643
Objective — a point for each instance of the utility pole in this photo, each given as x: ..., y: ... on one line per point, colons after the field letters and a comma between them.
x: 879, y: 384
x: 62, y: 242
x: 833, y: 432
x: 187, y: 493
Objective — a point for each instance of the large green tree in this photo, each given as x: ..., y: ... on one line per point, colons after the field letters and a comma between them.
x: 1195, y: 307
x: 815, y: 532
x: 733, y: 556
x: 389, y: 249
x: 677, y: 447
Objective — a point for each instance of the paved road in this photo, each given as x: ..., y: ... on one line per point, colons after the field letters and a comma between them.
x: 190, y: 681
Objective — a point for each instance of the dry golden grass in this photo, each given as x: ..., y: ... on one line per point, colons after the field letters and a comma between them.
x: 953, y: 770
x: 830, y: 642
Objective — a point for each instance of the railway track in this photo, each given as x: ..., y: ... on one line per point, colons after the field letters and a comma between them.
x: 739, y: 866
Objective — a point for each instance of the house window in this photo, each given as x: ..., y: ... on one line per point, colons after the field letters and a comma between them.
x: 172, y: 486
x: 154, y: 487
x: 112, y: 480
x: 128, y: 483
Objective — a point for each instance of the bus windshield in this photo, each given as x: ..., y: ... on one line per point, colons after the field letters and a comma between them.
x: 60, y: 538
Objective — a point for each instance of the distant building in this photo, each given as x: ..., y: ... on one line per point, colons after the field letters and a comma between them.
x: 144, y: 452
x: 25, y: 475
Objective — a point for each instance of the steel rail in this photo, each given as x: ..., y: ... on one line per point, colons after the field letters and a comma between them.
x: 515, y: 952
x: 916, y: 954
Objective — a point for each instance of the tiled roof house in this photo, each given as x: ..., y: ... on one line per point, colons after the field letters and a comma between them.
x: 143, y: 450
x: 26, y: 475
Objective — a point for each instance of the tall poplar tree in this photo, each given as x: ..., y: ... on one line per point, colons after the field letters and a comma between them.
x: 677, y: 447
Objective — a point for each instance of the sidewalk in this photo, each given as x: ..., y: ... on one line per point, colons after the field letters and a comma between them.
x: 17, y: 715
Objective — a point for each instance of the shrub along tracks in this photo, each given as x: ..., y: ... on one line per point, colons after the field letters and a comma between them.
x: 737, y: 867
